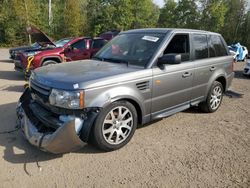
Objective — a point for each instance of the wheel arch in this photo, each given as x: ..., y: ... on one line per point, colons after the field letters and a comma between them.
x: 223, y: 81
x: 54, y: 58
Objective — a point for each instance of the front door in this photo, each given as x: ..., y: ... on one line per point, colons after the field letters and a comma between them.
x: 172, y: 84
x: 78, y: 51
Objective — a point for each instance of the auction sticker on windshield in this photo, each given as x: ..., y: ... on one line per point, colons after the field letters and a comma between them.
x: 150, y: 38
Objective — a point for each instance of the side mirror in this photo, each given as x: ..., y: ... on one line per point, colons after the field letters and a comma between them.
x: 171, y: 59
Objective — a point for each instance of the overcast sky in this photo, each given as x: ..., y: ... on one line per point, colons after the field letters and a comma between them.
x: 160, y: 3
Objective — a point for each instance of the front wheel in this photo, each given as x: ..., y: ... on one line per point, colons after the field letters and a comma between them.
x: 115, y: 126
x: 214, y: 98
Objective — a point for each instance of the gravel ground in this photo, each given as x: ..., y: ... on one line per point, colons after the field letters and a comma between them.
x: 188, y: 149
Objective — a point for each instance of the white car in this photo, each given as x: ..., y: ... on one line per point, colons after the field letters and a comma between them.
x: 246, y: 70
x: 245, y: 52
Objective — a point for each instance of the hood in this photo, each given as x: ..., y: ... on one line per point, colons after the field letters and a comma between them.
x: 38, y: 36
x: 21, y: 48
x: 83, y: 74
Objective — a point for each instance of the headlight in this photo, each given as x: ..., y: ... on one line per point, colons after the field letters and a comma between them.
x: 67, y: 99
x: 32, y: 53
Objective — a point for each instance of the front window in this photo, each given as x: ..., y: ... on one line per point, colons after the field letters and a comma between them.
x: 134, y: 49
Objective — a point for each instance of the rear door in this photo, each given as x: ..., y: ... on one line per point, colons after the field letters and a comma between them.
x: 172, y: 84
x: 208, y: 55
x: 78, y: 51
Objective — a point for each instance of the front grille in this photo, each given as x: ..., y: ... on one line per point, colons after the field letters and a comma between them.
x: 39, y: 92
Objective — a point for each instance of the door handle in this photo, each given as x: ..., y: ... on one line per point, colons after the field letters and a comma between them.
x: 187, y: 74
x: 212, y: 68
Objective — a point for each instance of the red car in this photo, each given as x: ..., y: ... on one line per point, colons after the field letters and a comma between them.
x: 75, y: 49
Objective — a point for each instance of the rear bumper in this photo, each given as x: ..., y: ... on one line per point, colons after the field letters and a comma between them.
x: 61, y: 140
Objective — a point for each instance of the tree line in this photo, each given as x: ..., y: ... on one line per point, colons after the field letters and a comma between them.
x: 231, y: 18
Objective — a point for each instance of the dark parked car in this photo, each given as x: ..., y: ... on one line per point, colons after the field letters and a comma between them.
x: 109, y: 34
x: 139, y: 76
x: 13, y: 51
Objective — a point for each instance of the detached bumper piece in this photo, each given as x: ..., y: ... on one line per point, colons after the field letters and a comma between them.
x: 45, y: 131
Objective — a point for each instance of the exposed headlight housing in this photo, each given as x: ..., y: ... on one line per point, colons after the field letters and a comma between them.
x: 67, y: 99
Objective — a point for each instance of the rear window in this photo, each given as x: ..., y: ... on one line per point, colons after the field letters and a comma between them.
x: 200, y: 46
x: 216, y: 47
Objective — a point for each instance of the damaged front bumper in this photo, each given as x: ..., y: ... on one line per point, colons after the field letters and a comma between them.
x: 66, y: 137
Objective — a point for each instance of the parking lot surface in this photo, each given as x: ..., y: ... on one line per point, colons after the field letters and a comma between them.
x: 188, y: 149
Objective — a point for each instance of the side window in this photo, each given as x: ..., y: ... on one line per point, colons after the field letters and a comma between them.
x: 98, y: 43
x: 79, y: 45
x: 200, y: 46
x: 212, y: 52
x: 179, y: 45
x: 218, y: 45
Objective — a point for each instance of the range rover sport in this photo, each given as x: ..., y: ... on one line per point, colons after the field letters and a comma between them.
x: 139, y: 76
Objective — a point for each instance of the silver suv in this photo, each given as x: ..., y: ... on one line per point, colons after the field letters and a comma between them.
x: 139, y: 76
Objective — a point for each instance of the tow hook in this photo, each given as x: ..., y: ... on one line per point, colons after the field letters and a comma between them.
x: 26, y: 76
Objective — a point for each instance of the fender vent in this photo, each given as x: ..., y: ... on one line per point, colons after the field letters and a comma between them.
x: 142, y: 86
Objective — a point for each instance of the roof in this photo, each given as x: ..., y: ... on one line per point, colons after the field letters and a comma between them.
x: 166, y: 30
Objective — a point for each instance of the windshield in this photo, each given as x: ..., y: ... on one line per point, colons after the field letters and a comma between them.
x: 136, y: 49
x: 61, y: 42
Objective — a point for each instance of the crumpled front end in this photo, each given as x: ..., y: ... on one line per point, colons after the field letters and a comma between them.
x: 45, y: 130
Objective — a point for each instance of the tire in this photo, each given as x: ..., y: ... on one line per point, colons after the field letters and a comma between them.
x: 111, y: 131
x: 214, y: 98
x: 49, y: 62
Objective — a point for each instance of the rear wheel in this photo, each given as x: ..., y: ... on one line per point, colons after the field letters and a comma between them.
x: 214, y: 98
x: 49, y: 62
x: 115, y: 126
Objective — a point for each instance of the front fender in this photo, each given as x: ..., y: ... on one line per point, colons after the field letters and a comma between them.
x: 102, y: 98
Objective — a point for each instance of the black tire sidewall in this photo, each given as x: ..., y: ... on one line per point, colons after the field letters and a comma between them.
x: 99, y: 140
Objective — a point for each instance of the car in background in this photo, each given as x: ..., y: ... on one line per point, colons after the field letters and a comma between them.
x: 78, y: 48
x: 13, y: 51
x: 246, y: 70
x: 241, y: 51
x: 36, y: 47
x: 42, y: 42
x: 245, y: 52
x: 109, y: 34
